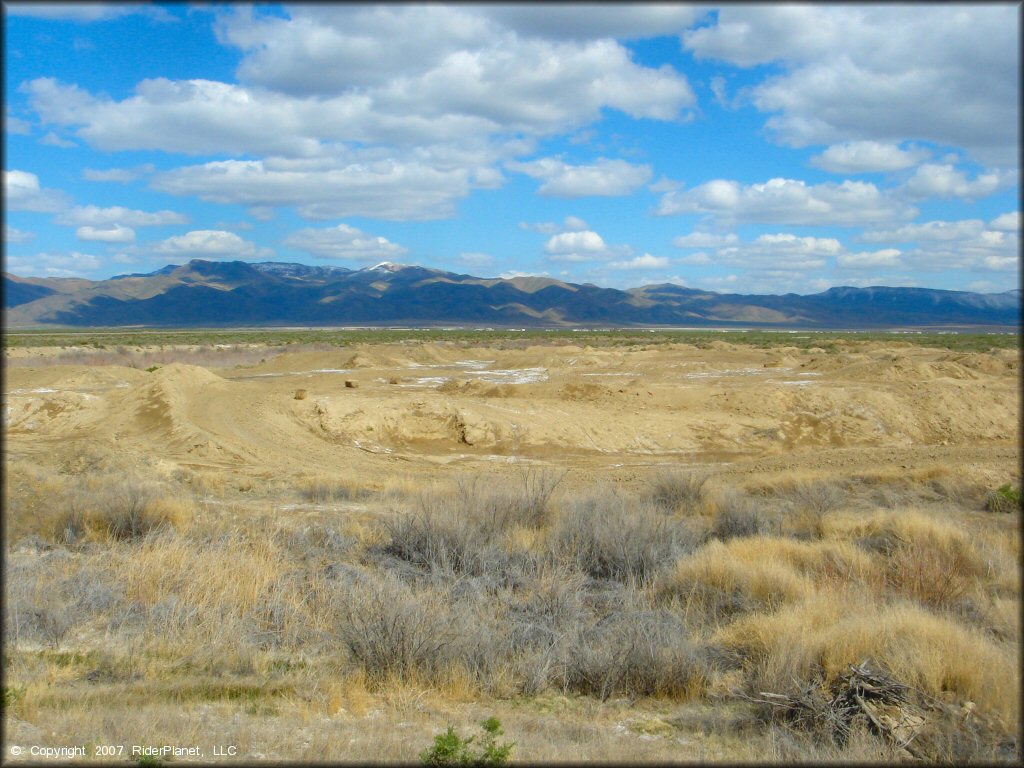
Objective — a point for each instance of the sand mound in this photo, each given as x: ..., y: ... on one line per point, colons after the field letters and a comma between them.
x: 63, y: 399
x: 183, y: 375
x: 425, y: 422
x: 1003, y: 362
x: 171, y: 406
x: 476, y: 388
x: 558, y: 403
x: 584, y: 391
x: 74, y: 377
x: 51, y: 412
x: 386, y: 357
x: 903, y: 369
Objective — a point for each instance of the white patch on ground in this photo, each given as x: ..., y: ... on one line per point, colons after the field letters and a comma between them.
x: 735, y: 372
x: 425, y: 381
x: 512, y: 376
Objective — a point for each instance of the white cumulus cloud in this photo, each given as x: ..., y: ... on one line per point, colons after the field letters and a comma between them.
x: 647, y: 261
x: 888, y: 73
x: 933, y: 231
x: 384, y: 190
x: 570, y: 224
x: 114, y: 234
x: 868, y: 156
x: 887, y: 257
x: 786, y: 201
x: 576, y: 246
x: 51, y: 139
x: 606, y: 178
x: 95, y: 216
x: 118, y: 174
x: 210, y: 243
x: 344, y: 242
x: 15, y: 125
x: 22, y: 192
x: 943, y: 180
x: 704, y: 240
x: 54, y: 264
x: 1007, y: 222
x: 14, y: 235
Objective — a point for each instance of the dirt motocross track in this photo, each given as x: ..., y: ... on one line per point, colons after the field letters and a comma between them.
x: 607, y: 413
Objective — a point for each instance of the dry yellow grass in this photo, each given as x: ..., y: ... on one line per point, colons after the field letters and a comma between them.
x: 262, y: 597
x: 931, y: 559
x: 762, y: 573
x: 718, y: 580
x: 834, y: 629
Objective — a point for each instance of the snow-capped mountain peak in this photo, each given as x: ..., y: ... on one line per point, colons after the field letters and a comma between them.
x: 386, y: 266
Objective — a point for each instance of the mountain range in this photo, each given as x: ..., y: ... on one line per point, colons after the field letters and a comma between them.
x: 215, y: 293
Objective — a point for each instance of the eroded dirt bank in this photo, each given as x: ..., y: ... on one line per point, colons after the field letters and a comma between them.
x: 374, y: 411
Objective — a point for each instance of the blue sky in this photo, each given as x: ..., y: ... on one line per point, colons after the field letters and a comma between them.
x: 749, y: 149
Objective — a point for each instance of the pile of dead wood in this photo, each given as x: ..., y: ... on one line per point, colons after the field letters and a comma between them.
x: 864, y: 697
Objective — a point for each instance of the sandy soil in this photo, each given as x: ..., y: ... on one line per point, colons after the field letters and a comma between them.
x: 373, y: 416
x: 374, y: 412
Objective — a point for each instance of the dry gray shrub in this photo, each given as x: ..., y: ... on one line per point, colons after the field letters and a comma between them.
x: 47, y: 595
x: 484, y: 644
x: 123, y: 510
x: 736, y: 517
x: 314, y: 542
x: 392, y: 631
x: 608, y: 538
x: 117, y: 508
x: 959, y: 493
x: 675, y: 491
x: 439, y: 537
x: 323, y: 491
x: 550, y: 607
x: 465, y: 531
x: 522, y: 501
x: 818, y: 496
x: 634, y: 653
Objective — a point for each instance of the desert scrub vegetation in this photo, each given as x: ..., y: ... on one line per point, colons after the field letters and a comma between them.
x: 609, y: 536
x: 675, y: 491
x: 230, y: 340
x: 1004, y: 499
x: 69, y: 509
x: 451, y: 749
x: 487, y: 590
x: 324, y: 490
x: 827, y: 632
x: 471, y: 528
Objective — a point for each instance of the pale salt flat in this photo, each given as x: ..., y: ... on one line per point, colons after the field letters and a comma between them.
x: 425, y: 381
x: 511, y: 376
x: 735, y: 372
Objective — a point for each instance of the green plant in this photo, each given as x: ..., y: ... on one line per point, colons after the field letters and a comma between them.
x: 451, y: 749
x: 152, y: 368
x: 1005, y: 499
x: 13, y: 697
